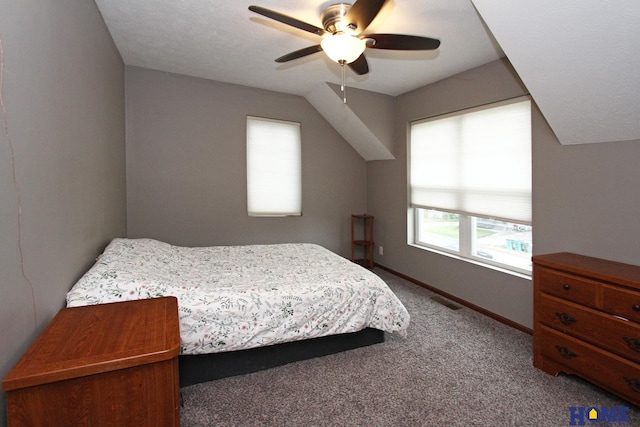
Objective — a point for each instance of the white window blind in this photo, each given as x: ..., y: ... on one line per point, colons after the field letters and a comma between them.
x: 474, y: 162
x: 274, y: 175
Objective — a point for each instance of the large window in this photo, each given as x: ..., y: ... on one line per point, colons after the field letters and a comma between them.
x: 274, y: 173
x: 470, y: 184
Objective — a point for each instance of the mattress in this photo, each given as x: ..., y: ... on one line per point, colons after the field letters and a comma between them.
x: 239, y: 297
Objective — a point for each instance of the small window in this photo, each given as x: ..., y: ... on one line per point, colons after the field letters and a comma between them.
x: 274, y: 172
x: 470, y: 184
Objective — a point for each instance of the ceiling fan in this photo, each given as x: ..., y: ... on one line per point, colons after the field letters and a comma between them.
x: 343, y: 38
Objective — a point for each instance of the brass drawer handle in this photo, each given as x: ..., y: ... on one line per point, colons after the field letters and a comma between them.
x: 634, y: 384
x: 565, y: 319
x: 565, y: 352
x: 634, y: 343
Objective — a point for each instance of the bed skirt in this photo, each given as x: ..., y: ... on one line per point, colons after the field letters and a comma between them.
x: 207, y: 367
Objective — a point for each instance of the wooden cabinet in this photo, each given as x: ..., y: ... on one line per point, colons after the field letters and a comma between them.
x: 101, y: 365
x: 587, y: 321
x: 362, y: 240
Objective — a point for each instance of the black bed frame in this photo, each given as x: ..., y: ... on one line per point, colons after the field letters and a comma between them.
x: 207, y: 367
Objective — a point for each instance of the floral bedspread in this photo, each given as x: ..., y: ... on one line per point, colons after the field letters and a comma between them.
x: 238, y: 297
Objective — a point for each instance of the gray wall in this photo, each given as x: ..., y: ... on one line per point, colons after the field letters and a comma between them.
x: 506, y: 295
x: 63, y: 93
x: 186, y: 165
x: 585, y: 197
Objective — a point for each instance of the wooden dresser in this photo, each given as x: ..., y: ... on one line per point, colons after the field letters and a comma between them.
x: 101, y: 365
x: 587, y: 321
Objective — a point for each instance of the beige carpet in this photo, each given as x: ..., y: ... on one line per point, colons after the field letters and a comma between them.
x: 455, y: 368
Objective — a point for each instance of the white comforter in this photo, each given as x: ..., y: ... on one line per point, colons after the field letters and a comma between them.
x: 238, y: 297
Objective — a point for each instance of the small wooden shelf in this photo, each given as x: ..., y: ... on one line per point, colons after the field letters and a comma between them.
x: 362, y: 239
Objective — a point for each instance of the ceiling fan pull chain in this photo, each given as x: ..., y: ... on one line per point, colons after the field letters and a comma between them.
x: 343, y: 87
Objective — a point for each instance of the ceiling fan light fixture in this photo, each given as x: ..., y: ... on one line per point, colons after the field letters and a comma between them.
x: 343, y: 48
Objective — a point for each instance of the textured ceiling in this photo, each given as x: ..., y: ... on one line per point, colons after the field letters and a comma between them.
x: 224, y: 41
x: 578, y: 59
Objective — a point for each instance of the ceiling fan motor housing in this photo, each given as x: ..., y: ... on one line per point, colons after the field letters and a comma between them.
x: 333, y: 18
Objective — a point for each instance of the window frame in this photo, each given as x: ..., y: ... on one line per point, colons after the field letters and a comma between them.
x: 466, y: 244
x: 467, y: 222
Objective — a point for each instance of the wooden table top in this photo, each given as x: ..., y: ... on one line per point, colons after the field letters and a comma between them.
x: 94, y: 339
x: 612, y: 271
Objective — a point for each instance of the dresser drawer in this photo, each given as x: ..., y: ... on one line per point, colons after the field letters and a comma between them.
x: 601, y: 367
x: 621, y: 302
x: 569, y: 287
x: 616, y: 335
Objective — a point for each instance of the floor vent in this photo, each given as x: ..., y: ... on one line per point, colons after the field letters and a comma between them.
x: 446, y: 303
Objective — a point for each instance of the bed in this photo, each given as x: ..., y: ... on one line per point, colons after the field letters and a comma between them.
x: 243, y: 304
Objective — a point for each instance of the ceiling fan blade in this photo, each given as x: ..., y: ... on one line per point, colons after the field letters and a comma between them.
x: 360, y: 65
x: 300, y: 53
x: 400, y: 42
x: 363, y: 12
x: 287, y: 20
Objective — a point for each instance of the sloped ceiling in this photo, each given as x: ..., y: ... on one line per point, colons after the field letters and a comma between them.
x: 372, y: 135
x: 580, y: 61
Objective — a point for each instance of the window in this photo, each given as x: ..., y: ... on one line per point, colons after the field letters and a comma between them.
x: 274, y: 172
x: 470, y: 184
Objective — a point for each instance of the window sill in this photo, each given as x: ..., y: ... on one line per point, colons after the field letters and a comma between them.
x: 477, y: 262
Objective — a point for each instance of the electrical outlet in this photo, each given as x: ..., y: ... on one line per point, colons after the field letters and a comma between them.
x: 380, y: 250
